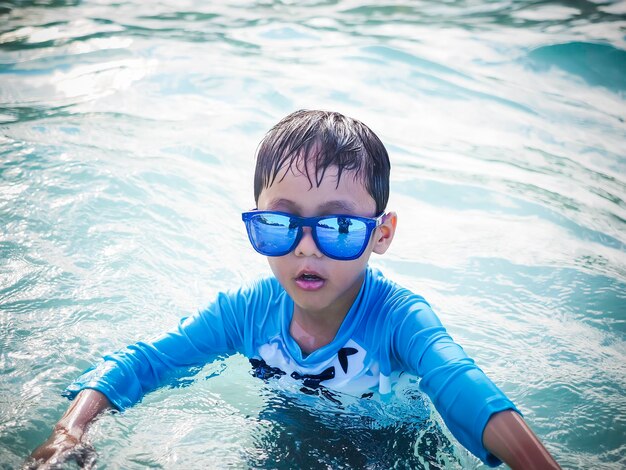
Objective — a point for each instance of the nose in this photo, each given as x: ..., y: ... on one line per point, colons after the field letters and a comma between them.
x: 306, y: 246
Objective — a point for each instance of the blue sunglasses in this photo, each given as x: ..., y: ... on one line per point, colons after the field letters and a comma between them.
x: 341, y: 237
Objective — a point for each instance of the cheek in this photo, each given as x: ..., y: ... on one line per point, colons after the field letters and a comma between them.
x: 278, y: 265
x: 272, y: 264
x: 346, y: 271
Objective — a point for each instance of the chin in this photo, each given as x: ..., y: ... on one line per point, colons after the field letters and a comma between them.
x: 310, y: 301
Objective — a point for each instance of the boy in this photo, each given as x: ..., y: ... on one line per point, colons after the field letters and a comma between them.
x: 326, y: 319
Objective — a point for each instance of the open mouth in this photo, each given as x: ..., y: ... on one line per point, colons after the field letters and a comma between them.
x: 310, y: 281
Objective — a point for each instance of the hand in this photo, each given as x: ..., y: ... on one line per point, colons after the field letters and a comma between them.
x: 61, y: 447
x: 66, y: 441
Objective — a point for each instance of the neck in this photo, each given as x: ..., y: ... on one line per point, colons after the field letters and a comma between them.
x: 313, y: 329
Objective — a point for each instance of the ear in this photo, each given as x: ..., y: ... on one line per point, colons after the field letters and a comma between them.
x: 385, y: 232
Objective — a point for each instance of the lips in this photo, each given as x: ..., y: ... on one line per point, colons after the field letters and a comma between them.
x: 309, y: 280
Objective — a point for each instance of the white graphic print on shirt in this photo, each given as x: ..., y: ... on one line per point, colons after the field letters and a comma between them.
x: 346, y: 371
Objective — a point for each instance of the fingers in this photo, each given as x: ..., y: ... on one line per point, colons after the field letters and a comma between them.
x: 49, y: 457
x: 85, y: 456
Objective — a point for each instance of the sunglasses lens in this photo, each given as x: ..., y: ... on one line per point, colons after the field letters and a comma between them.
x: 272, y: 234
x: 342, y: 237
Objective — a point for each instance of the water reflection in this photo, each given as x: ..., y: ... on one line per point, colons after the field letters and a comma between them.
x: 292, y: 434
x: 126, y: 147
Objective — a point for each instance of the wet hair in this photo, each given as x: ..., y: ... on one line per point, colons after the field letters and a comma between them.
x: 315, y: 140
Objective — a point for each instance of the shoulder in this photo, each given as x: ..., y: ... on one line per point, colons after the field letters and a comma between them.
x: 251, y: 296
x: 389, y: 292
x: 265, y: 286
x: 395, y: 302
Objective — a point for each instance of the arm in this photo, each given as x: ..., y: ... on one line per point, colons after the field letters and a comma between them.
x: 123, y: 378
x: 66, y: 438
x: 479, y: 415
x: 509, y: 438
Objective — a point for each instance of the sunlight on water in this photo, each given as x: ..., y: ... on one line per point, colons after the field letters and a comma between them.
x: 126, y: 157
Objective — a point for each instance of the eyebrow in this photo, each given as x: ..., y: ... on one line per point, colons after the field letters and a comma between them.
x: 330, y: 207
x: 337, y: 207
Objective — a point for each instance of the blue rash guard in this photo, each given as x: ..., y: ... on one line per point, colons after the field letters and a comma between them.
x: 388, y: 330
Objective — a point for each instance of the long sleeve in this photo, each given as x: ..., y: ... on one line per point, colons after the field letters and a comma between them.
x: 126, y: 375
x: 462, y: 394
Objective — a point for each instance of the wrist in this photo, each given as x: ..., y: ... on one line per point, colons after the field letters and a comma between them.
x: 72, y: 433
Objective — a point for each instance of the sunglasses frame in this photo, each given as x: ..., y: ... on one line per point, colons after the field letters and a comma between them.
x: 370, y: 223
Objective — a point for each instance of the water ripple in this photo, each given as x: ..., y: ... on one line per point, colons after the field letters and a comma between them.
x: 126, y: 144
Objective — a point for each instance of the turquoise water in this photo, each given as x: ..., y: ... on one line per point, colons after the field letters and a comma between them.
x: 126, y: 155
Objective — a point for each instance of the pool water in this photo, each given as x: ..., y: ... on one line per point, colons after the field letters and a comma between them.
x: 128, y: 131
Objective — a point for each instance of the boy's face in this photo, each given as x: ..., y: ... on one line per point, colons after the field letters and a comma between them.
x: 318, y: 284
